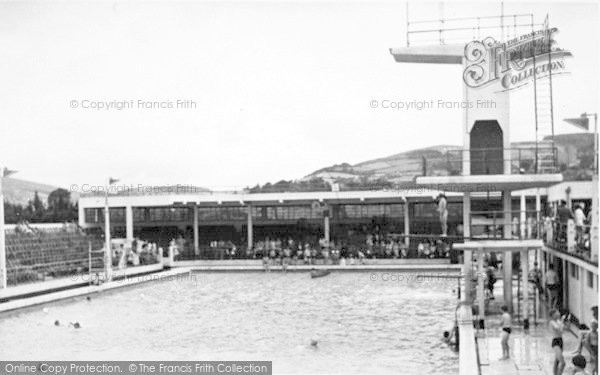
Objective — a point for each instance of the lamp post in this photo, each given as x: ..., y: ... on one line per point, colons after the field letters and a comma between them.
x: 583, y: 122
x: 107, y: 247
x: 5, y: 172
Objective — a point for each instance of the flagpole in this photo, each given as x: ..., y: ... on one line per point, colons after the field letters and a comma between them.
x: 107, y: 247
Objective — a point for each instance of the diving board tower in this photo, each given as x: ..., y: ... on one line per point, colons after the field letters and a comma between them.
x: 498, y: 55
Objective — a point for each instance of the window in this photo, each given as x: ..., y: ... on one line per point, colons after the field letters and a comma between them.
x: 574, y: 271
x: 92, y: 215
x: 590, y: 279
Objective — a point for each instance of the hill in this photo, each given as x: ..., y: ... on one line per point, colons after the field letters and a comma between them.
x: 20, y: 192
x: 575, y: 159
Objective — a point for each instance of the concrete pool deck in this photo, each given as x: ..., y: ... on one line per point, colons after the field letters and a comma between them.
x: 530, y: 352
x: 52, y: 296
x: 78, y: 280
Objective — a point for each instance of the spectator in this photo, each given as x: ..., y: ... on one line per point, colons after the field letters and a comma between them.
x: 442, y: 204
x: 491, y: 280
x: 395, y: 250
x: 579, y: 222
x: 307, y: 254
x: 535, y: 277
x: 552, y: 286
x: 563, y: 216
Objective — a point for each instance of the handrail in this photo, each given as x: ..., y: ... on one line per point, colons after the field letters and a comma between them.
x: 469, y: 28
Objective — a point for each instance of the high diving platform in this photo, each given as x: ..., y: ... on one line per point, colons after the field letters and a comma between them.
x: 433, y: 54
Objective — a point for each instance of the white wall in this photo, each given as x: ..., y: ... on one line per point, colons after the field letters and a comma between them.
x: 581, y: 296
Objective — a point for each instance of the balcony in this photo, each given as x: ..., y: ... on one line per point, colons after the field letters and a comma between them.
x: 563, y: 237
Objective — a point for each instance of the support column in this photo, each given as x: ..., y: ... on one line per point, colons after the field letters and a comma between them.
x: 467, y: 275
x: 81, y: 219
x: 107, y: 246
x: 196, y: 235
x: 507, y: 278
x: 326, y: 228
x: 582, y: 288
x: 129, y: 224
x: 480, y: 291
x: 507, y: 214
x: 538, y: 214
x: 522, y: 217
x: 525, y: 283
x: 565, y: 284
x: 406, y: 224
x: 467, y: 214
x: 249, y: 227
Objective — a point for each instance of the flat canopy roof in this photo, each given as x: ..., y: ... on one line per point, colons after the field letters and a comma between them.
x: 434, y: 54
x: 499, y: 245
x: 237, y: 199
x: 478, y: 183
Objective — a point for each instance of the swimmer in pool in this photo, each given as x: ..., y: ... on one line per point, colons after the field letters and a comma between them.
x: 450, y: 337
x: 505, y: 323
x: 557, y: 326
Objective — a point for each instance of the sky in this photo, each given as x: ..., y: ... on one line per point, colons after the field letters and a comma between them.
x: 274, y: 89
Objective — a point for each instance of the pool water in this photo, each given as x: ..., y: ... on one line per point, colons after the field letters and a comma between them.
x: 362, y: 323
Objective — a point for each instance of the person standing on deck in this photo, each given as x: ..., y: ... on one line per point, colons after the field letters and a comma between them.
x: 591, y: 344
x: 557, y: 327
x: 443, y: 211
x: 552, y: 286
x: 535, y: 277
x: 491, y: 280
x: 579, y: 222
x: 505, y: 322
x: 563, y: 213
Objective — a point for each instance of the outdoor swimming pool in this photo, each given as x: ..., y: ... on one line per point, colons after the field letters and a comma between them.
x: 363, y: 323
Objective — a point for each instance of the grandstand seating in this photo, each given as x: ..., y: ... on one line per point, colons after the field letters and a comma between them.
x: 39, y: 252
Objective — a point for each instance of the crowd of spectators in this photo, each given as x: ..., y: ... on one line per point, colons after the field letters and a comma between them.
x: 556, y: 227
x: 140, y: 253
x: 304, y: 251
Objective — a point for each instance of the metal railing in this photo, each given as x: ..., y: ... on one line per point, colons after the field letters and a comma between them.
x: 566, y: 237
x: 523, y: 160
x: 465, y: 29
x: 499, y: 225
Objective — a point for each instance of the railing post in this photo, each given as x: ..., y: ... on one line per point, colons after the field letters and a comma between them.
x: 494, y: 223
x: 522, y: 216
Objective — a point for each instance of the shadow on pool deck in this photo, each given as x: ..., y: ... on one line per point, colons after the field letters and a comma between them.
x: 531, y: 352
